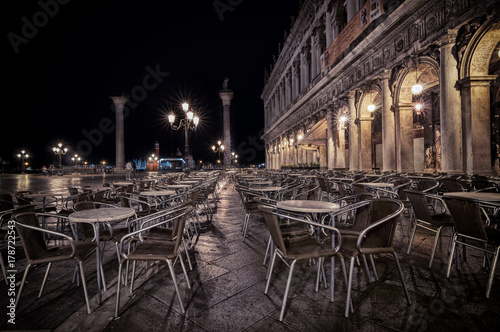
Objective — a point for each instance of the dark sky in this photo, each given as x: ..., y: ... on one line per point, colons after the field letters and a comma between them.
x: 61, y: 68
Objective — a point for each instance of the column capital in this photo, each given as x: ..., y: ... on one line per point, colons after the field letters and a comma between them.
x: 119, y: 101
x: 226, y: 97
x: 476, y: 81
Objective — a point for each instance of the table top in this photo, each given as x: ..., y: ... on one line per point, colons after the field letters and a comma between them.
x: 188, y: 181
x: 123, y: 183
x: 307, y: 176
x: 267, y: 188
x: 260, y: 183
x: 377, y: 184
x: 308, y: 206
x: 157, y: 193
x: 102, y: 214
x: 480, y: 196
x: 177, y: 186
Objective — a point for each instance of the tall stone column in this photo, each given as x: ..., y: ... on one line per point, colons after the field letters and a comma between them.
x: 330, y: 145
x: 353, y: 135
x: 365, y: 139
x: 404, y: 139
x: 119, y: 102
x: 341, y: 149
x: 475, y: 92
x: 328, y: 27
x: 452, y: 160
x: 388, y: 130
x: 226, y: 95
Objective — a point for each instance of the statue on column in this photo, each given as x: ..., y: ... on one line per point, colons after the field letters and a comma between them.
x: 224, y: 85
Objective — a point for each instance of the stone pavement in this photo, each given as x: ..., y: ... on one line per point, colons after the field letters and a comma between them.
x: 228, y: 281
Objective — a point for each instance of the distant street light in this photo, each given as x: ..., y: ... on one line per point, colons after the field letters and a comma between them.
x: 190, y: 122
x: 234, y: 158
x: 76, y: 159
x: 22, y: 156
x: 219, y: 148
x: 59, y: 150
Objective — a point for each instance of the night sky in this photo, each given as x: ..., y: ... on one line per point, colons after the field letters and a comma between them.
x: 64, y: 62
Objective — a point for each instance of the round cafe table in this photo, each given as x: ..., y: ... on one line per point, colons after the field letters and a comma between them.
x: 96, y: 216
x: 157, y: 193
x: 268, y: 191
x: 478, y: 196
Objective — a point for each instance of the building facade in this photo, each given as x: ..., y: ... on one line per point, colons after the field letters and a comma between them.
x: 341, y: 92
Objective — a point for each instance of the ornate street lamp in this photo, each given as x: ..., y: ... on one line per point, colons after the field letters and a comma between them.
x: 76, y: 159
x: 22, y: 156
x: 234, y: 158
x: 190, y: 122
x: 219, y: 148
x: 59, y: 150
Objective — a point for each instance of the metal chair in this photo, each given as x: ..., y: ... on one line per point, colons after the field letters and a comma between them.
x: 37, y: 252
x: 376, y: 238
x: 426, y: 220
x: 166, y: 250
x: 470, y: 231
x: 303, y: 248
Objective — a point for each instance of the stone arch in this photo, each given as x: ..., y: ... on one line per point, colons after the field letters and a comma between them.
x: 423, y: 69
x: 477, y: 55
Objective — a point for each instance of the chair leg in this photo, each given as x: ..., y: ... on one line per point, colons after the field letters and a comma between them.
x: 185, y: 272
x: 22, y: 284
x: 349, y: 287
x: 401, y: 277
x: 342, y: 261
x: 84, y: 284
x: 270, y: 272
x: 373, y: 267
x: 412, y: 236
x: 492, y: 273
x: 265, y: 255
x: 174, y: 280
x: 117, y: 305
x: 44, y: 279
x: 367, y: 269
x: 287, y: 289
x: 452, y: 253
x: 436, y: 239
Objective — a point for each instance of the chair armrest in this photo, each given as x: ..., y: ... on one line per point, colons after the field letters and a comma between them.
x: 48, y: 231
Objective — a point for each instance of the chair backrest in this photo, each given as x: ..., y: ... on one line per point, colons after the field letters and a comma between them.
x: 429, y: 186
x: 23, y: 208
x: 6, y: 202
x: 418, y: 201
x: 466, y: 217
x: 33, y: 242
x: 73, y: 191
x: 382, y: 222
x: 86, y: 229
x: 21, y: 199
x: 99, y: 196
x: 273, y: 226
x: 451, y: 185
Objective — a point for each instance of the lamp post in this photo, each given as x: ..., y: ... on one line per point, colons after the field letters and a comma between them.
x: 190, y: 122
x: 76, y: 159
x: 22, y: 156
x: 153, y: 159
x: 59, y: 150
x: 234, y: 158
x: 218, y: 149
